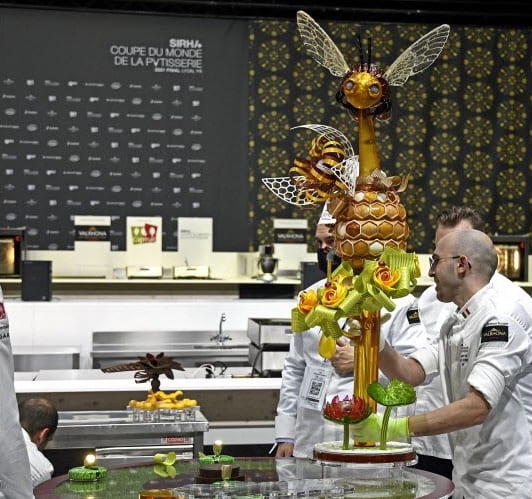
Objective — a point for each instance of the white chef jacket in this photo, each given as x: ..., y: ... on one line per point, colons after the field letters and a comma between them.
x: 41, y: 468
x: 15, y: 482
x: 433, y: 314
x: 307, y: 427
x: 494, y: 459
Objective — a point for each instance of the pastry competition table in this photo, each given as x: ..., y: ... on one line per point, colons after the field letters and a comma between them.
x: 265, y: 477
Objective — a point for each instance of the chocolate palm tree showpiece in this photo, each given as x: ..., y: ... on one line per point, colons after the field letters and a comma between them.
x: 149, y: 368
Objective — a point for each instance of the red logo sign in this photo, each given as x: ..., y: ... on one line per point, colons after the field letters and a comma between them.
x: 173, y: 440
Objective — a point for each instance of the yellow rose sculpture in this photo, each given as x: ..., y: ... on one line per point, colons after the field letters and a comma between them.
x: 334, y: 293
x: 347, y: 295
x: 385, y: 278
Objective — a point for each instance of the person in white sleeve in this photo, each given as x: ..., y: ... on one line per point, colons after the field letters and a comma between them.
x: 434, y: 452
x: 38, y: 418
x: 482, y: 352
x: 299, y: 424
x: 15, y: 480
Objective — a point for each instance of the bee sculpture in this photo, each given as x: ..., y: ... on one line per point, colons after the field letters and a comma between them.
x: 365, y: 87
x: 359, y: 195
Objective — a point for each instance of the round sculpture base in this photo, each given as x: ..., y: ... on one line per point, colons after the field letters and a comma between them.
x: 395, y: 452
x: 87, y: 474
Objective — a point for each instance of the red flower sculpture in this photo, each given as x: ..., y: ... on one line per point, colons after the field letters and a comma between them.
x: 347, y: 411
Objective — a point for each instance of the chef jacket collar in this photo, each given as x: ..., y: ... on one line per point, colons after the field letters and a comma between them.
x: 472, y: 305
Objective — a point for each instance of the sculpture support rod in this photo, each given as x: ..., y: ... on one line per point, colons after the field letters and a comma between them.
x: 367, y: 360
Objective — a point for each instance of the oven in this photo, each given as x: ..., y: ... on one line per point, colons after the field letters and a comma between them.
x: 513, y: 251
x: 117, y: 438
x: 12, y: 251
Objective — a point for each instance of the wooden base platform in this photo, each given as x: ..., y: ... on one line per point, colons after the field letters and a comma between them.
x: 396, y: 452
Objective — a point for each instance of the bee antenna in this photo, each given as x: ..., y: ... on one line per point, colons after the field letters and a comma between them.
x: 360, y: 51
x: 369, y: 52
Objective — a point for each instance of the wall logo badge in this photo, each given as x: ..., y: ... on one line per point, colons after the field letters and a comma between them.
x: 144, y: 234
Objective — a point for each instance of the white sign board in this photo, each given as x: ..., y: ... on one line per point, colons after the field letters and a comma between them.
x: 144, y: 241
x: 290, y: 245
x: 194, y: 239
x: 92, y: 245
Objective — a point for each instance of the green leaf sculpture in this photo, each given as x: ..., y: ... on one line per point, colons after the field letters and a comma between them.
x: 395, y: 394
x: 164, y: 465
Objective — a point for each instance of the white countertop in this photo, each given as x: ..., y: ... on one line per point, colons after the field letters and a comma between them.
x: 44, y: 350
x: 93, y: 380
x: 209, y: 281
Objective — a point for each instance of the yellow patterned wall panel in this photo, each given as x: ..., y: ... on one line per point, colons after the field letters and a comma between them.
x: 461, y: 130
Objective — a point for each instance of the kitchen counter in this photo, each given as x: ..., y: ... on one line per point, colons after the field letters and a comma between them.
x: 94, y: 380
x: 242, y: 286
x: 33, y: 358
x: 72, y: 321
x: 240, y: 410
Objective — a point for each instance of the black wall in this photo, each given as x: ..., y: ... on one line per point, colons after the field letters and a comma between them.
x: 122, y: 114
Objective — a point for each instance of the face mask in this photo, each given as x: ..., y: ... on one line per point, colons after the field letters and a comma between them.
x: 322, y: 261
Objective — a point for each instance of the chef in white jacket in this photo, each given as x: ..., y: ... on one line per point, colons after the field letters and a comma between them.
x: 15, y: 480
x: 484, y: 349
x: 309, y: 380
x: 434, y: 452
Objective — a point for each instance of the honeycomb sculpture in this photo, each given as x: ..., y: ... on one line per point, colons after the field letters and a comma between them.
x: 366, y: 223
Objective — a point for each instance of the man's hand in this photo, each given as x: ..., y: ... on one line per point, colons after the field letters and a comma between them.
x: 344, y: 358
x: 285, y: 449
x: 369, y: 430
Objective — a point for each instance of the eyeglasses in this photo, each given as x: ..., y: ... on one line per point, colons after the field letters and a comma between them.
x: 433, y: 260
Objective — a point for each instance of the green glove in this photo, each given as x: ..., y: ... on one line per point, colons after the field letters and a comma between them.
x: 369, y: 430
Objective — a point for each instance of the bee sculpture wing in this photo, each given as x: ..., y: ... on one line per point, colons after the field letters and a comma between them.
x: 347, y: 170
x: 320, y: 46
x: 418, y: 57
x: 285, y: 188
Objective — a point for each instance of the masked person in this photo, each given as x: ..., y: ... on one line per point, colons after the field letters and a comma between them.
x: 482, y: 352
x: 299, y: 424
x: 15, y: 481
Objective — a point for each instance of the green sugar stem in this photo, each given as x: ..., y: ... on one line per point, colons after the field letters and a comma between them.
x: 345, y: 444
x: 384, y: 427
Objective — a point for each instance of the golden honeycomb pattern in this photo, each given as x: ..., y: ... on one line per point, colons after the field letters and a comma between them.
x: 369, y: 222
x: 462, y: 129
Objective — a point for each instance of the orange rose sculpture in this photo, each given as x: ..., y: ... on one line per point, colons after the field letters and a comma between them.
x: 307, y: 301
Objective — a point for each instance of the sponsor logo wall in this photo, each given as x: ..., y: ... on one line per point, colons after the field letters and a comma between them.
x: 122, y: 115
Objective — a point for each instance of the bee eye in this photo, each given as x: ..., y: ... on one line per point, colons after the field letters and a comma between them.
x: 374, y: 89
x: 349, y: 85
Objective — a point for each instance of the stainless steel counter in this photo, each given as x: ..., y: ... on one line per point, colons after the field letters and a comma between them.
x: 34, y: 358
x: 190, y: 348
x: 117, y: 439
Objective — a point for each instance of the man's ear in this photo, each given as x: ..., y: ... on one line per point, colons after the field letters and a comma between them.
x: 464, y: 264
x: 41, y: 437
